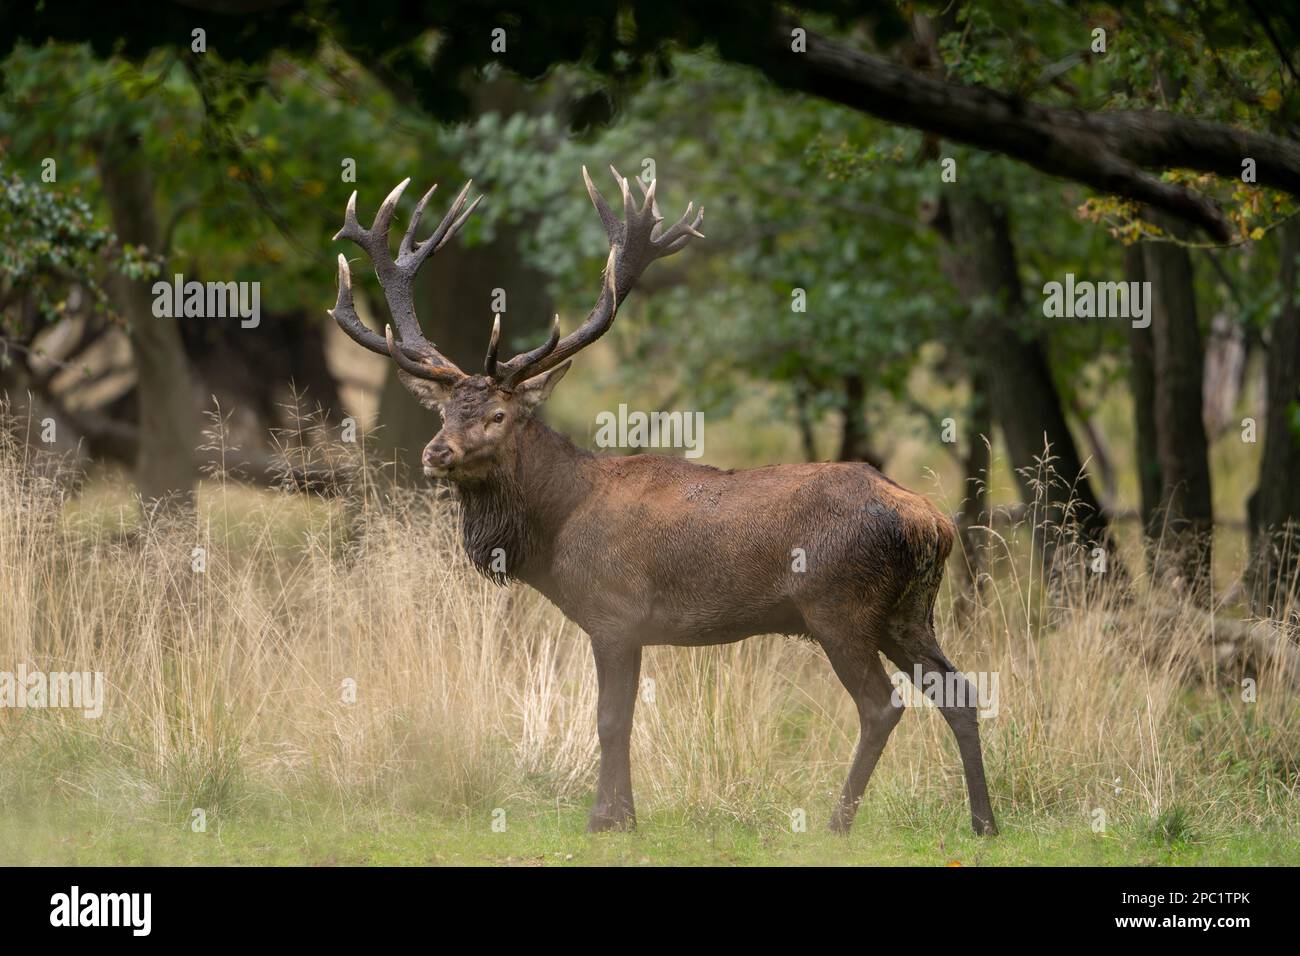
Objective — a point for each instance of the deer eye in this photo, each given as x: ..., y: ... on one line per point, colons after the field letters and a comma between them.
x: 499, y: 417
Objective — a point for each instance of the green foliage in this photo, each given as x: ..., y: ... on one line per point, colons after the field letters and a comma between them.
x: 1199, y: 59
x: 799, y: 195
x: 246, y: 160
x: 246, y: 141
x: 49, y: 240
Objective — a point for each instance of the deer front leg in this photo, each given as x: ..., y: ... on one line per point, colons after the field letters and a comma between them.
x: 618, y: 669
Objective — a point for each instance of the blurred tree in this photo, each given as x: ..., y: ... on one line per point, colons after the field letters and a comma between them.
x: 1021, y: 391
x: 55, y: 258
x: 1185, y: 516
x: 1142, y: 383
x: 168, y: 414
x: 1275, y: 505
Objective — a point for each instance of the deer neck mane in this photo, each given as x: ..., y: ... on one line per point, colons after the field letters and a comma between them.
x: 509, y: 519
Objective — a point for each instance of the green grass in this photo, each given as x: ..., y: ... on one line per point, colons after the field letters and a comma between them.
x: 315, y: 836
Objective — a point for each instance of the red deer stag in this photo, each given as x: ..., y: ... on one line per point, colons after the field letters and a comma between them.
x: 646, y: 549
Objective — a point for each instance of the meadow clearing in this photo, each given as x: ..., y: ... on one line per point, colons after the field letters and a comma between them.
x: 337, y: 685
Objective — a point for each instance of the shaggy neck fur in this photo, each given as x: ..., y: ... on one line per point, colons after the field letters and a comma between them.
x: 509, y: 518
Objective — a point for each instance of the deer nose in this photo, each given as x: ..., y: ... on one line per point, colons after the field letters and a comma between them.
x: 438, y: 454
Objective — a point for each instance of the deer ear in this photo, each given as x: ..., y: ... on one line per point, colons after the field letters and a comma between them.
x: 537, y: 389
x: 429, y: 394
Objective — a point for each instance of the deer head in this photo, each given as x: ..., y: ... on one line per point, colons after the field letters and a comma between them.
x: 481, y: 414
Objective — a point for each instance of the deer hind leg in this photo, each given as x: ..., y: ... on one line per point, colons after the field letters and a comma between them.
x: 618, y: 669
x: 857, y: 664
x: 915, y: 645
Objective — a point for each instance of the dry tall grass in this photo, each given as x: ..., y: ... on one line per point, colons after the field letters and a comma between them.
x: 227, y: 687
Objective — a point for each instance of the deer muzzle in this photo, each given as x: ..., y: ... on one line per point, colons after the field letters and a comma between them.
x: 439, y: 458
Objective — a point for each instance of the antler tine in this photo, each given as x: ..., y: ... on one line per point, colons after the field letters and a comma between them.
x: 375, y: 239
x: 490, y: 363
x: 634, y: 243
x: 680, y: 232
x: 351, y: 228
x: 384, y: 217
x: 613, y: 228
x: 527, y: 359
x: 408, y: 238
x: 345, y: 314
x: 412, y: 253
x: 629, y: 206
x: 455, y: 226
x: 447, y: 374
x: 610, y: 275
x: 447, y: 228
x: 650, y: 205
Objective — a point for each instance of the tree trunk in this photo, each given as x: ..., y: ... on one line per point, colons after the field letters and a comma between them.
x: 1186, y: 511
x: 275, y: 377
x: 980, y: 257
x: 1142, y: 382
x: 168, y: 415
x: 975, y: 483
x: 854, y: 443
x: 804, y: 419
x: 1275, y: 505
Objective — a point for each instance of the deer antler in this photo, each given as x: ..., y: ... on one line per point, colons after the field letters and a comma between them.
x: 634, y: 242
x: 410, y: 349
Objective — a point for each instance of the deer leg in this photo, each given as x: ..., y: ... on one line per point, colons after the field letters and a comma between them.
x: 618, y: 668
x: 857, y: 665
x: 957, y: 703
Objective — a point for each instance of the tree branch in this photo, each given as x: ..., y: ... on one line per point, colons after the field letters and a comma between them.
x: 1108, y: 151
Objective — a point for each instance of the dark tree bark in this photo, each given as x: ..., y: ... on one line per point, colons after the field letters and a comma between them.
x: 1101, y: 464
x: 1142, y: 382
x: 168, y: 416
x: 855, y: 445
x: 1275, y: 505
x: 975, y: 481
x: 804, y: 420
x: 980, y: 258
x: 1186, y: 511
x: 254, y: 369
